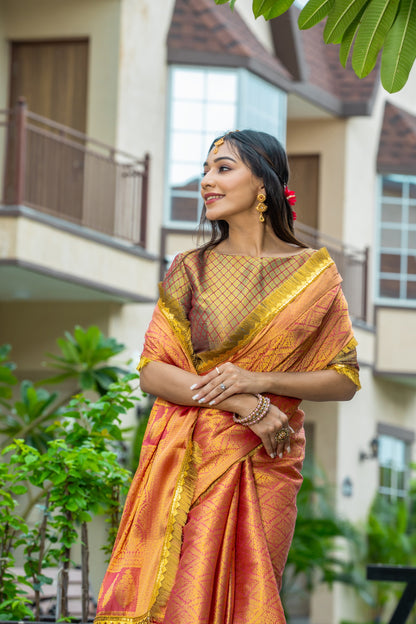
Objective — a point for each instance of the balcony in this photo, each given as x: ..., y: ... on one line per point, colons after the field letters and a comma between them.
x: 73, y: 215
x: 352, y: 263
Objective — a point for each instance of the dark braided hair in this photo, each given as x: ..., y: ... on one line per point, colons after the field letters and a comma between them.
x: 263, y: 154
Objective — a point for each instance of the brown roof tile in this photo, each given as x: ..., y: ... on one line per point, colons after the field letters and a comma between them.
x: 397, y: 146
x: 201, y: 26
x: 202, y: 32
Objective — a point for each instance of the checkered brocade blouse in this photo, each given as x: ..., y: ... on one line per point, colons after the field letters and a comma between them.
x: 218, y: 292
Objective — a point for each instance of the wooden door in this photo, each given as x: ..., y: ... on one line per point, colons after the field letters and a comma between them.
x: 304, y: 180
x: 52, y: 77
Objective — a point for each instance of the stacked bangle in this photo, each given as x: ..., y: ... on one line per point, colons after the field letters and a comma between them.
x: 259, y: 412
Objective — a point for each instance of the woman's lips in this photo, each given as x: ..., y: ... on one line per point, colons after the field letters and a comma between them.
x: 209, y: 199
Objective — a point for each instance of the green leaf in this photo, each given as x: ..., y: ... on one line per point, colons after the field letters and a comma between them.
x: 261, y: 7
x: 340, y: 18
x: 399, y: 51
x: 348, y: 38
x: 375, y: 24
x: 278, y: 8
x: 313, y: 12
x: 221, y: 1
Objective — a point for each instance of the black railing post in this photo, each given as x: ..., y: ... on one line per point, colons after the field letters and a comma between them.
x: 365, y: 283
x: 20, y: 171
x: 145, y: 196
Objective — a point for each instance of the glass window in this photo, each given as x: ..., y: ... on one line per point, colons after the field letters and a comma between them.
x: 393, y: 466
x: 205, y: 103
x: 397, y: 239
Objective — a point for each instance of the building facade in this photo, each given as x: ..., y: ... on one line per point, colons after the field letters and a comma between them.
x: 100, y: 168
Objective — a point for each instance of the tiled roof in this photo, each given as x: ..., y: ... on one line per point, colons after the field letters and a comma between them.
x: 204, y: 33
x: 201, y: 27
x: 397, y: 146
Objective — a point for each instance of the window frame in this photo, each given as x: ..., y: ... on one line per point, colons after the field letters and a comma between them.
x: 406, y: 436
x: 244, y: 77
x: 404, y: 228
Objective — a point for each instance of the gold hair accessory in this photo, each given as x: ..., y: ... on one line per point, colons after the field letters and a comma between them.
x: 261, y: 206
x: 217, y: 144
x: 221, y: 141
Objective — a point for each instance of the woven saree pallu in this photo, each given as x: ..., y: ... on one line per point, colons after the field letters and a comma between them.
x: 210, y: 516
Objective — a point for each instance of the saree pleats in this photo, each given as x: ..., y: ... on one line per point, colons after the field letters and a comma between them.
x: 210, y: 516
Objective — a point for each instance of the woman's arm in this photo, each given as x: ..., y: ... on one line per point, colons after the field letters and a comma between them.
x: 177, y: 386
x: 325, y: 385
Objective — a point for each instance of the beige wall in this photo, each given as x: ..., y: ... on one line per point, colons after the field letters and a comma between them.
x: 259, y: 26
x: 99, y: 20
x: 328, y: 139
x: 33, y: 327
x: 4, y: 60
x: 142, y: 95
x: 77, y: 257
x: 396, y: 329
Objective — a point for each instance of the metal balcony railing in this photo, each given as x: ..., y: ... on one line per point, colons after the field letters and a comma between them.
x: 352, y: 263
x: 64, y: 173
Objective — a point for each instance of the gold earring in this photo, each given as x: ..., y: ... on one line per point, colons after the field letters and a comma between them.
x: 261, y: 206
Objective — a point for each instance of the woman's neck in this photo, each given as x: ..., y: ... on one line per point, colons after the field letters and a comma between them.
x: 260, y: 242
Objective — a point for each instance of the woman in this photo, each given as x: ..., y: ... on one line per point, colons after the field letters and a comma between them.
x: 245, y: 328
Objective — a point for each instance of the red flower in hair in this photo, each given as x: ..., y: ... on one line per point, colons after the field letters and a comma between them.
x: 291, y: 198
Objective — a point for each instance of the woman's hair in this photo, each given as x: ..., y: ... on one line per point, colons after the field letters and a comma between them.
x: 265, y: 157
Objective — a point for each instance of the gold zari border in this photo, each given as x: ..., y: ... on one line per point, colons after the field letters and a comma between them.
x: 348, y: 371
x: 171, y: 548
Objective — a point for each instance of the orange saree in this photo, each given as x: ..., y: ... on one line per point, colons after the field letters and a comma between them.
x: 210, y: 516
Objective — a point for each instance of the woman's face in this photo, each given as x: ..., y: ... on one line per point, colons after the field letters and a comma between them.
x: 228, y: 187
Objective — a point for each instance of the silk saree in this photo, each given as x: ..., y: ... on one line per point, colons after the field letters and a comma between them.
x: 209, y: 517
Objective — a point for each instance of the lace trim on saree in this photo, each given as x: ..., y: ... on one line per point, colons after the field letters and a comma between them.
x: 345, y: 363
x: 174, y: 314
x: 142, y: 363
x: 349, y: 372
x: 165, y: 578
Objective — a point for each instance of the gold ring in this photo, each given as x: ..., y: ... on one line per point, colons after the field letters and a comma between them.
x: 218, y: 370
x: 282, y: 435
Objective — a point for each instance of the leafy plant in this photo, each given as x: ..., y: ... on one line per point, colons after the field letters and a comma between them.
x: 390, y: 540
x: 64, y: 460
x: 321, y: 540
x: 85, y: 355
x: 13, y: 528
x: 7, y: 379
x: 368, y: 28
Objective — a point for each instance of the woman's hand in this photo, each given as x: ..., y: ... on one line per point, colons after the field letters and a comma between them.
x: 224, y: 381
x: 268, y: 427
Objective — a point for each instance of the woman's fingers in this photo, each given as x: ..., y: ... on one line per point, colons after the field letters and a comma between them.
x: 222, y: 382
x: 274, y: 431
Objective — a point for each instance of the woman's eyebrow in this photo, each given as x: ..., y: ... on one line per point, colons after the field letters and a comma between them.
x: 221, y: 158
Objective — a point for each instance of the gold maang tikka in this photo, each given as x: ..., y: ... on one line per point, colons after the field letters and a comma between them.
x: 261, y: 206
x: 221, y: 141
x: 217, y: 144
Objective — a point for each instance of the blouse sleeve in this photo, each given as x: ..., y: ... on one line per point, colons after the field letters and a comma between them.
x: 177, y: 285
x: 345, y: 363
x: 175, y: 288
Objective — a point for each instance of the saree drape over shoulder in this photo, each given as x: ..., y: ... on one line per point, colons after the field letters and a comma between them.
x: 210, y: 516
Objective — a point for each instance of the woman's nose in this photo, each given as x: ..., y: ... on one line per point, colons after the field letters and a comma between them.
x: 206, y: 180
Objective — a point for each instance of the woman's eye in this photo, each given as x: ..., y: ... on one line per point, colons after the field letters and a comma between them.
x: 224, y: 168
